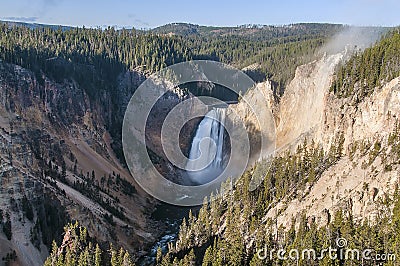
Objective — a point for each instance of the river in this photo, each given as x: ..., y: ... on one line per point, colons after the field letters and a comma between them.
x: 171, y: 216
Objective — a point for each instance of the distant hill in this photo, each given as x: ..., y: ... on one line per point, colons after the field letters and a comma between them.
x: 35, y: 25
x: 252, y: 31
x: 183, y: 29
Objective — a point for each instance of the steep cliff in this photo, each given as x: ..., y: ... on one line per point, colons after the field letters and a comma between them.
x: 364, y: 173
x: 302, y: 107
x: 57, y: 164
x: 258, y: 109
x: 368, y: 172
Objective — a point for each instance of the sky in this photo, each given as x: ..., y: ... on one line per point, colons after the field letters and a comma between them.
x: 145, y: 14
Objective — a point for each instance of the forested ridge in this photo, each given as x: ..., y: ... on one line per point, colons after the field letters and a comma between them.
x: 92, y: 57
x: 252, y: 31
x: 95, y: 57
x: 367, y: 70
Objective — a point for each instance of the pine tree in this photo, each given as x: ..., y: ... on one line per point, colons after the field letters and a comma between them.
x: 208, y: 257
x: 190, y: 258
x: 97, y: 256
x: 127, y: 260
x: 159, y: 255
x: 114, y: 257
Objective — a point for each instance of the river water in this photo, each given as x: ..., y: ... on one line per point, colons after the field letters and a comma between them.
x: 171, y: 216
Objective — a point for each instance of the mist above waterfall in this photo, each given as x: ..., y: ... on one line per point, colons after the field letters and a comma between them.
x: 206, y: 157
x: 353, y: 38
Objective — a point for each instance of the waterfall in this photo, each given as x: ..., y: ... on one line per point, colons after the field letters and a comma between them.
x: 206, y: 154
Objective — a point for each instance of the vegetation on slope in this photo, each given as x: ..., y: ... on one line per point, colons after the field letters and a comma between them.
x: 251, y: 32
x: 366, y: 71
x: 230, y: 230
x: 95, y: 57
x: 275, y: 61
x: 78, y: 248
x: 92, y: 57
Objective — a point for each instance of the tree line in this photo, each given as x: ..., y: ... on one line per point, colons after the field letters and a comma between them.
x: 365, y: 71
x: 95, y: 57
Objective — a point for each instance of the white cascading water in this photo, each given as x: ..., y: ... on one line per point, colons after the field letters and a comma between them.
x: 206, y: 153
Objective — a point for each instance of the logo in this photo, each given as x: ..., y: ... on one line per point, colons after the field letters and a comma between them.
x: 340, y: 252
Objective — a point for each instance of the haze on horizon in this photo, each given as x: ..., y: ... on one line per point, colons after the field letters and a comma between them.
x: 153, y: 13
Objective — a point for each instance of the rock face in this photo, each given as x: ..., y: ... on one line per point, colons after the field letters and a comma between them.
x: 302, y: 106
x: 358, y: 181
x: 57, y: 164
x: 373, y: 118
x: 258, y: 109
x: 308, y: 110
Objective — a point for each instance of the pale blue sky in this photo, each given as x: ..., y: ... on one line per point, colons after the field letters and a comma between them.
x: 152, y: 13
